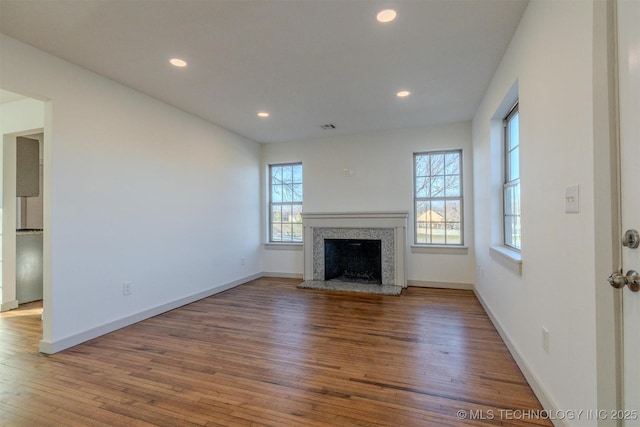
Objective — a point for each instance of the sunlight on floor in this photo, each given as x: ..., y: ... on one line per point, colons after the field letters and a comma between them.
x: 29, y: 309
x: 20, y: 313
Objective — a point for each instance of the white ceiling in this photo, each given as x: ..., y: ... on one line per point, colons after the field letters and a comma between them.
x: 306, y: 62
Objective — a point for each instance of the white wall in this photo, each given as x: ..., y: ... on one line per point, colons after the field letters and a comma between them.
x: 551, y: 59
x: 135, y: 191
x: 382, y: 180
x: 18, y: 116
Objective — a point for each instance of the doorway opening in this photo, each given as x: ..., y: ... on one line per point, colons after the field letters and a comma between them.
x: 22, y: 212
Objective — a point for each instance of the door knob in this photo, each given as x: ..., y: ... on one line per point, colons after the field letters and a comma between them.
x: 631, y: 279
x: 617, y: 280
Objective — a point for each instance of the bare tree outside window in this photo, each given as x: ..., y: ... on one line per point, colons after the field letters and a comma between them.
x: 285, y: 203
x: 438, y: 198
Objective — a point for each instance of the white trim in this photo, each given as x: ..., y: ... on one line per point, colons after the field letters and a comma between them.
x: 49, y: 347
x: 9, y: 305
x: 282, y: 275
x: 505, y: 252
x: 441, y: 285
x: 510, y: 258
x: 283, y: 246
x: 439, y: 249
x: 536, y: 385
x: 358, y: 216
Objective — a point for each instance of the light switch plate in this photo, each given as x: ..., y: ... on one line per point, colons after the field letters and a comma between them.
x: 572, y: 199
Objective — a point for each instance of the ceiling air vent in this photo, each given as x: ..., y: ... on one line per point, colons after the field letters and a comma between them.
x: 328, y: 126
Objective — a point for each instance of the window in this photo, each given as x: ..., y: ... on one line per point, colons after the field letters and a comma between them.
x: 511, y: 192
x: 285, y: 203
x: 438, y: 197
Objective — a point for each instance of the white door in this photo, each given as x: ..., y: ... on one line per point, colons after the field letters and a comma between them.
x: 628, y: 16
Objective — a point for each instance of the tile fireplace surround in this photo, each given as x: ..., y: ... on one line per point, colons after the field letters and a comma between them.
x: 389, y: 227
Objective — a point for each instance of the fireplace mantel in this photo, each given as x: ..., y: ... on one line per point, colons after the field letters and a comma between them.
x: 391, y: 225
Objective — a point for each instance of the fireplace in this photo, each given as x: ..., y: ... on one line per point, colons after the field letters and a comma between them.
x: 388, y: 229
x: 353, y: 260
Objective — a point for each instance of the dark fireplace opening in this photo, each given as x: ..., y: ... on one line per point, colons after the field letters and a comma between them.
x: 353, y: 260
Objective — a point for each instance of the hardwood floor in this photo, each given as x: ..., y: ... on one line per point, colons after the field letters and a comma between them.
x: 266, y: 353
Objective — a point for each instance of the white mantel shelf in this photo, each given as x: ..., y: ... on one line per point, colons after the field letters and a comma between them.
x: 355, y: 219
x: 395, y: 220
x: 319, y: 215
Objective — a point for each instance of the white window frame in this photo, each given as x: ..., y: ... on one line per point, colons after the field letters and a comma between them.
x: 294, y: 203
x: 443, y: 198
x: 511, y: 195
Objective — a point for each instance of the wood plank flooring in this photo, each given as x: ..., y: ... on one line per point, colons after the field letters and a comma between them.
x: 268, y: 354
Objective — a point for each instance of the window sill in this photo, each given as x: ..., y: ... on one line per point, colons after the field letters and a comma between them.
x: 508, y: 257
x: 435, y: 249
x: 283, y: 246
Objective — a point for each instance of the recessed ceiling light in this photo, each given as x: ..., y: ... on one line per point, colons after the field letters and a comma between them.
x: 263, y: 114
x: 386, y: 15
x: 177, y: 62
x: 403, y: 94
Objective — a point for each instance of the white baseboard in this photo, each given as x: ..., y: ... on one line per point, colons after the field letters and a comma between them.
x: 283, y: 275
x: 9, y: 305
x: 443, y: 285
x: 49, y: 347
x: 533, y: 380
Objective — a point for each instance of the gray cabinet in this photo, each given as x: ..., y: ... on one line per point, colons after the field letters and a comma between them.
x: 28, y: 266
x: 27, y: 167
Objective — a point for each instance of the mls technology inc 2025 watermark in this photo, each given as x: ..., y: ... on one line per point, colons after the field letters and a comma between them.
x: 570, y: 414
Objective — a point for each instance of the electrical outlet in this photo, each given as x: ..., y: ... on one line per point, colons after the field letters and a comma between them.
x: 126, y: 288
x: 545, y: 339
x: 242, y: 261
